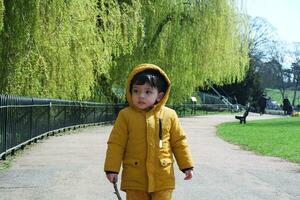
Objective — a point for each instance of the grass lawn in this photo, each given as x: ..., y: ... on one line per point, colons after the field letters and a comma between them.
x: 276, y: 95
x: 275, y: 137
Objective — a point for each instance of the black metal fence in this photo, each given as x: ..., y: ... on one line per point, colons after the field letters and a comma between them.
x: 23, y: 120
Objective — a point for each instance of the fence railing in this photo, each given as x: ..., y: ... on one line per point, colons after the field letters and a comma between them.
x: 23, y: 120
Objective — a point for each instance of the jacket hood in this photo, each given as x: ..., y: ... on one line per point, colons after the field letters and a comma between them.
x: 143, y: 67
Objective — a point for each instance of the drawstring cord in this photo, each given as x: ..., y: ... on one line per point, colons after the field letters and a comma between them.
x: 160, y: 133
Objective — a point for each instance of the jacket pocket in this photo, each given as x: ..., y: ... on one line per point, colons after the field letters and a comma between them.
x: 132, y: 162
x: 166, y: 162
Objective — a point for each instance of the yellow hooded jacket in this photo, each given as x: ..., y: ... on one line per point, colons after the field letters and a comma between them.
x: 134, y: 143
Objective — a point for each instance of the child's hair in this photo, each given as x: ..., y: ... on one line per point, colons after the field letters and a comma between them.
x: 152, y: 77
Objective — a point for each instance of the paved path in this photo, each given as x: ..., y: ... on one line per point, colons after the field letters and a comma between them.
x: 70, y: 167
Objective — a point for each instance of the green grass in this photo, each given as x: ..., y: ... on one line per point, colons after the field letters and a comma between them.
x: 276, y: 95
x: 275, y: 137
x: 5, y: 164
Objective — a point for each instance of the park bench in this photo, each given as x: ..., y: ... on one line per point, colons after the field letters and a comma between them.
x: 243, y: 117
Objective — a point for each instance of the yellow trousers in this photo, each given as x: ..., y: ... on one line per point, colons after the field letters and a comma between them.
x: 142, y: 195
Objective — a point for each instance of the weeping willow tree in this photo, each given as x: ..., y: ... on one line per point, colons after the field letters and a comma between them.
x: 63, y: 49
x: 1, y: 33
x: 1, y: 16
x: 83, y: 50
x: 48, y: 47
x: 120, y: 27
x: 193, y: 41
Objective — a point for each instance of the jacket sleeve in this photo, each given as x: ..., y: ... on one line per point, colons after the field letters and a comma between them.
x: 116, y: 144
x: 179, y: 145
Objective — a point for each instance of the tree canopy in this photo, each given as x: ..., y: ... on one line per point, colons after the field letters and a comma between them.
x: 83, y: 50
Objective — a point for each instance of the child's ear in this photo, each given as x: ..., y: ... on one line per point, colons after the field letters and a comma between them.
x: 160, y: 96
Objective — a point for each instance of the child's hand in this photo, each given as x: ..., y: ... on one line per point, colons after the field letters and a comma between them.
x: 112, y: 177
x: 188, y: 174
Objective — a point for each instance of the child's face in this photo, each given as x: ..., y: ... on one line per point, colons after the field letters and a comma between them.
x: 145, y: 96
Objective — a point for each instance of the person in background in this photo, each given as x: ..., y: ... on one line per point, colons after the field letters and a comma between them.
x: 286, y: 106
x: 262, y: 103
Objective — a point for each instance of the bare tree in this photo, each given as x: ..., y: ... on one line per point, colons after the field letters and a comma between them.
x: 278, y: 52
x: 261, y: 34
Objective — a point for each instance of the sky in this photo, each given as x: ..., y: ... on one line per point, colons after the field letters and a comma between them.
x: 284, y: 15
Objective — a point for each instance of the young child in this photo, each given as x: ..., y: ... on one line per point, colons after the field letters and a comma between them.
x: 144, y: 138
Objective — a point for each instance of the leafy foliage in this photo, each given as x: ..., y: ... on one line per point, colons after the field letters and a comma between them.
x: 1, y: 14
x: 84, y: 49
x: 261, y: 37
x: 193, y: 42
x: 49, y: 49
x: 247, y: 91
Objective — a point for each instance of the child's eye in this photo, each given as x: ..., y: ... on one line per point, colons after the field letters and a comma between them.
x: 148, y: 92
x: 134, y: 91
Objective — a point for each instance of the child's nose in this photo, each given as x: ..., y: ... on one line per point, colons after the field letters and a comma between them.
x: 142, y: 94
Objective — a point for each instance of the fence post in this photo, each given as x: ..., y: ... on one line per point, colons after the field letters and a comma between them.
x: 94, y: 113
x: 31, y: 120
x: 5, y: 127
x: 49, y: 116
x: 65, y: 114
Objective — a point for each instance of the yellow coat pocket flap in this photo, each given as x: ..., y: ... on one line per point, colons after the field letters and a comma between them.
x: 165, y: 162
x: 132, y: 162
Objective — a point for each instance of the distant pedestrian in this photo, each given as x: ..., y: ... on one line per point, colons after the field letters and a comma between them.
x: 145, y: 137
x: 287, y: 107
x: 262, y: 103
